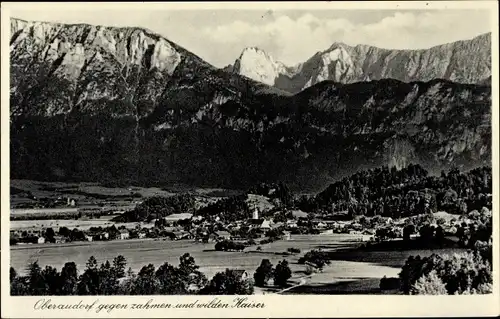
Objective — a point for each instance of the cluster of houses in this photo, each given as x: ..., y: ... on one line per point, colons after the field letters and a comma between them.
x: 198, y: 229
x: 187, y: 226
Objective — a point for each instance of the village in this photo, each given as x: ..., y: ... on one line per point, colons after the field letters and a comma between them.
x: 252, y: 231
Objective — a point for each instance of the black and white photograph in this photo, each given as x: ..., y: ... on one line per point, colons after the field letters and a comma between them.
x: 249, y: 152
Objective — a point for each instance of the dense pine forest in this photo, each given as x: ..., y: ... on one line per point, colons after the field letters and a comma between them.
x: 410, y: 191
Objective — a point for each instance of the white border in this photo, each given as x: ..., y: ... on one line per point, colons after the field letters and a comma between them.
x: 276, y: 306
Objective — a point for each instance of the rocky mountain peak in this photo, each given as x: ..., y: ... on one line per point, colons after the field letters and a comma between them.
x: 125, y: 104
x: 258, y: 65
x: 75, y: 46
x: 465, y: 61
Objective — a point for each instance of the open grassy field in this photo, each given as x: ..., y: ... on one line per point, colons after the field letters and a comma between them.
x: 81, y: 224
x: 351, y: 270
x: 28, y: 194
x: 22, y: 191
x: 142, y: 252
x: 358, y: 271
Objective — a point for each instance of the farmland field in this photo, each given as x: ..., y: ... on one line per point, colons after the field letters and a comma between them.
x: 71, y: 223
x: 89, y: 194
x: 358, y: 271
x: 142, y: 252
x: 354, y: 272
x: 351, y: 270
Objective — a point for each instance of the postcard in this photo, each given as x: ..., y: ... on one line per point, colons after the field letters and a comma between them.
x: 251, y: 159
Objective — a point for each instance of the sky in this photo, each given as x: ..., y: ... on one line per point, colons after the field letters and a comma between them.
x: 290, y: 36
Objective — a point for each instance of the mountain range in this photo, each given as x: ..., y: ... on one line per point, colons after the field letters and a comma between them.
x: 126, y: 105
x: 467, y: 61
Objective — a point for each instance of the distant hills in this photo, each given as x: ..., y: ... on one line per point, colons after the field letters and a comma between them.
x: 94, y: 103
x: 467, y: 61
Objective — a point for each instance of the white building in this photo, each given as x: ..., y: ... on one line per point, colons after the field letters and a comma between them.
x: 255, y: 214
x: 71, y: 202
x: 124, y: 234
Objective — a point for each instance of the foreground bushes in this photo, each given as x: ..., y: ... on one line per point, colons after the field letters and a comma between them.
x: 111, y: 279
x: 460, y: 273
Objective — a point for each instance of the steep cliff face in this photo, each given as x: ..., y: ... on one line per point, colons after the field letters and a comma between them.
x: 463, y: 61
x: 98, y: 104
x: 256, y: 64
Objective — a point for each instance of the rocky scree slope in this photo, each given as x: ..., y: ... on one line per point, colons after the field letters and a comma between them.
x: 92, y: 103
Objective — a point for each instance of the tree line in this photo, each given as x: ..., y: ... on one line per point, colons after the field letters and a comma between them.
x: 453, y: 274
x: 382, y: 191
x: 407, y: 192
x: 159, y: 206
x: 114, y: 279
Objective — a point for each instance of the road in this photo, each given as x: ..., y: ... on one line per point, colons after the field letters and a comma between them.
x: 303, y: 281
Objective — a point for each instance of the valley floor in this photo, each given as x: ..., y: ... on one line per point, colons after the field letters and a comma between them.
x: 355, y: 272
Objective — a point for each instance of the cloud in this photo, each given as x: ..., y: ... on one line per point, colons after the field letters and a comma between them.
x: 295, y: 40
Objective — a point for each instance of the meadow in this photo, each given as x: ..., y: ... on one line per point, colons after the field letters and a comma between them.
x: 142, y: 252
x: 82, y: 224
x: 352, y: 270
x: 359, y: 270
x: 88, y: 194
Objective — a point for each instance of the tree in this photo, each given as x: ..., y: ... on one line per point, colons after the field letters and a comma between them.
x: 191, y: 277
x: 64, y: 231
x: 127, y: 286
x: 119, y: 264
x: 282, y: 273
x: 146, y: 282
x: 382, y: 233
x: 18, y: 285
x: 157, y: 207
x: 389, y: 283
x: 37, y: 284
x: 316, y: 257
x: 89, y: 281
x: 263, y: 273
x: 460, y: 272
x: 77, y: 235
x: 427, y: 233
x: 69, y: 279
x: 408, y: 230
x: 429, y: 284
x: 180, y: 280
x: 170, y: 281
x: 482, y: 289
x: 229, y: 282
x: 439, y: 236
x: 108, y: 282
x: 52, y: 280
x: 49, y: 235
x: 228, y: 245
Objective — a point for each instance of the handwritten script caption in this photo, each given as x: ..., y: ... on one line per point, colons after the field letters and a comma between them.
x: 97, y: 306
